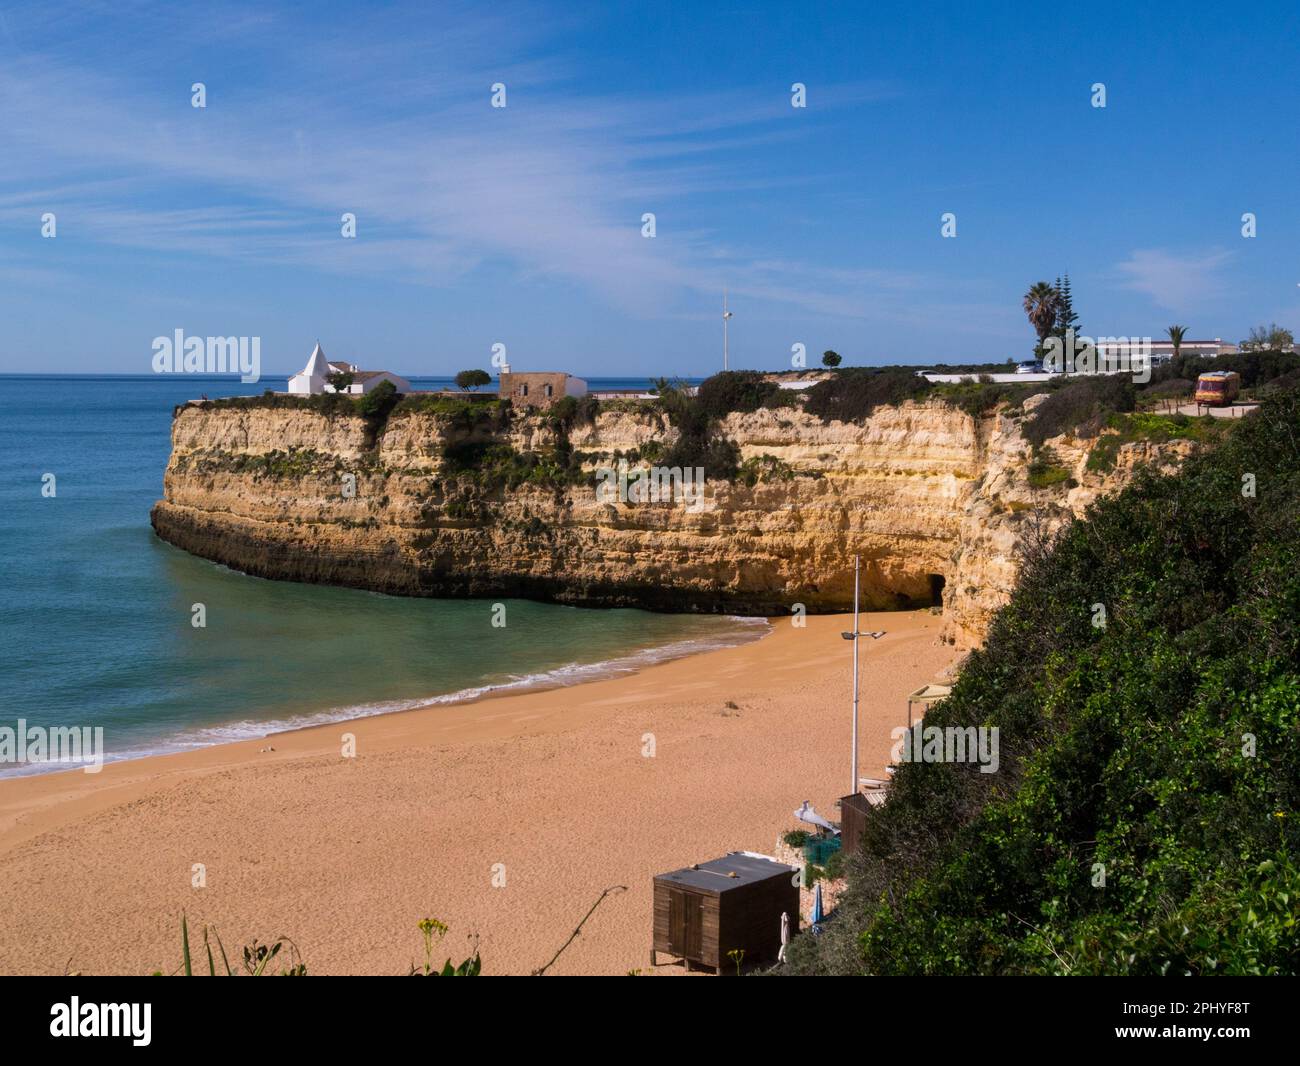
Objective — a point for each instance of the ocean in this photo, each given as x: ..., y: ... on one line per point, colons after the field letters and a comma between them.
x: 95, y: 613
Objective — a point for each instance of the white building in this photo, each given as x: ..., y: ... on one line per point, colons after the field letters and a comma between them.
x: 311, y: 379
x: 1160, y: 351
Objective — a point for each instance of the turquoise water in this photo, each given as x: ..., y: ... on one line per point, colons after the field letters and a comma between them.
x: 95, y: 616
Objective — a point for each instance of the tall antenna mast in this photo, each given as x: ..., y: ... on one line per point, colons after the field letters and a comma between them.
x: 725, y: 315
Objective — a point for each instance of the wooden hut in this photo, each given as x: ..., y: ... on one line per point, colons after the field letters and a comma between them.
x: 854, y: 811
x: 733, y: 903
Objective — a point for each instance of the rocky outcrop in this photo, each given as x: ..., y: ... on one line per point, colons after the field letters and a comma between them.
x: 932, y: 498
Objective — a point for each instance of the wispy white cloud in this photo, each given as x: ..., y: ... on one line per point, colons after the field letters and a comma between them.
x: 1175, y: 281
x: 554, y: 185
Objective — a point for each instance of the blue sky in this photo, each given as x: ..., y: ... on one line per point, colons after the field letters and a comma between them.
x: 522, y: 225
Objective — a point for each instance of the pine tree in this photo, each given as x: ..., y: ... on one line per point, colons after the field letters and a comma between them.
x: 1065, y: 316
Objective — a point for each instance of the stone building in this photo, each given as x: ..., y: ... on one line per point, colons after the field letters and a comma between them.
x: 539, y: 388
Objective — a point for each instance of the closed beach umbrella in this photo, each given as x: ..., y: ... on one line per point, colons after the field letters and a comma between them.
x: 817, y: 915
x: 785, y: 935
x: 806, y: 813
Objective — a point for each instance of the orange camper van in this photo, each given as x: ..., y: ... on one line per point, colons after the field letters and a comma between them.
x: 1218, y: 387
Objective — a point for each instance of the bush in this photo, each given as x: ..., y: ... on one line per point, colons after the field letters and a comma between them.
x: 570, y: 411
x: 736, y: 390
x: 1258, y: 368
x: 1284, y: 383
x: 1162, y: 748
x: 980, y: 397
x: 698, y: 443
x: 764, y: 468
x: 326, y: 403
x: 1044, y: 471
x: 1157, y: 428
x: 379, y: 401
x: 462, y: 414
x: 1168, y: 389
x: 1080, y: 405
x: 494, y: 466
x: 851, y: 395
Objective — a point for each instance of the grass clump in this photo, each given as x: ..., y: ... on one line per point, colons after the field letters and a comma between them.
x: 1045, y: 470
x: 260, y: 960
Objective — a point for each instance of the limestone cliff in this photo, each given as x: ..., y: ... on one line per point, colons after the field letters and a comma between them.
x: 933, y: 499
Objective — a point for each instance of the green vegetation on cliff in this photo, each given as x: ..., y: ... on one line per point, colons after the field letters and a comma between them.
x: 1147, y: 426
x: 291, y: 463
x: 693, y: 421
x: 496, y: 466
x: 1144, y: 816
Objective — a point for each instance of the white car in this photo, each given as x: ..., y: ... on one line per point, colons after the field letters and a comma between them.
x: 1029, y: 367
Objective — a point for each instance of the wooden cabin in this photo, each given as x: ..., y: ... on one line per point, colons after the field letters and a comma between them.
x: 733, y: 903
x: 854, y: 811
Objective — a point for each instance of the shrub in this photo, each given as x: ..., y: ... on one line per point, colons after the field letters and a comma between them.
x: 1121, y: 750
x: 1285, y: 382
x: 851, y: 395
x: 1258, y: 368
x: 1169, y: 389
x: 736, y: 390
x: 698, y: 443
x: 1079, y: 405
x: 980, y: 397
x: 571, y: 411
x: 1045, y: 471
x: 462, y: 414
x: 379, y: 401
x: 326, y: 403
x: 494, y: 466
x: 764, y: 468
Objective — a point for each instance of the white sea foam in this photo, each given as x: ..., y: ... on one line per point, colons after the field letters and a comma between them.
x: 747, y: 630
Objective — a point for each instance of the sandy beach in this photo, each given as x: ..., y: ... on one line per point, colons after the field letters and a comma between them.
x: 549, y: 791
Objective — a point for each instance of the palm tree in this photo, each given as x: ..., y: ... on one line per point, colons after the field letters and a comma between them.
x: 1041, y: 303
x: 1176, y: 334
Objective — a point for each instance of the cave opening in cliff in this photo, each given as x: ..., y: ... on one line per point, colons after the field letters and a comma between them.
x: 936, y: 590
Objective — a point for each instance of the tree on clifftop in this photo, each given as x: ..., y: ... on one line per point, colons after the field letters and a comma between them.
x: 1268, y: 338
x: 472, y: 379
x: 831, y: 359
x: 1041, y: 304
x: 1066, y: 319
